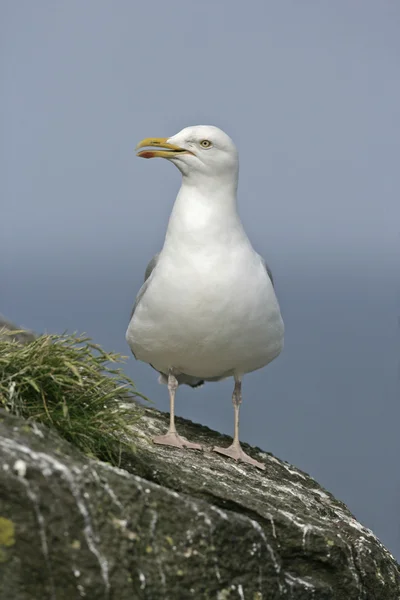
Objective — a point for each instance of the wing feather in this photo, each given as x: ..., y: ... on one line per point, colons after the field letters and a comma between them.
x: 149, y: 269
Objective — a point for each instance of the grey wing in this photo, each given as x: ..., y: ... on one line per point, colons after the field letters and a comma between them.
x: 268, y: 270
x: 150, y: 266
x: 149, y: 269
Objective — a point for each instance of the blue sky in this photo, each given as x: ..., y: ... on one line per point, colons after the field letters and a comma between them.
x: 310, y: 93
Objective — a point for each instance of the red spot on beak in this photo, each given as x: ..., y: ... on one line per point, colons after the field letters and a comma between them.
x: 146, y: 154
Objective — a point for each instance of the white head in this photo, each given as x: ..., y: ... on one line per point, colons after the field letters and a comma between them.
x: 203, y: 153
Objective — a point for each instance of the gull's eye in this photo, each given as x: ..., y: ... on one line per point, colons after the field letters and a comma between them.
x: 205, y: 144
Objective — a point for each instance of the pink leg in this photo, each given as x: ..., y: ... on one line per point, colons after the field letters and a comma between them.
x: 235, y: 450
x: 172, y: 438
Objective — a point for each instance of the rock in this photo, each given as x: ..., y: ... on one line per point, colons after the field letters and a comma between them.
x: 174, y: 525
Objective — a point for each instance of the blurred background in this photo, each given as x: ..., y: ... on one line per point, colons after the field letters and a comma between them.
x: 310, y: 92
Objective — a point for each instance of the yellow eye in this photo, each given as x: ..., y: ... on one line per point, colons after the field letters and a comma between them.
x: 205, y: 144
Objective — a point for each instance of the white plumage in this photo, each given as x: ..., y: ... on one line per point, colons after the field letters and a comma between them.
x: 208, y: 310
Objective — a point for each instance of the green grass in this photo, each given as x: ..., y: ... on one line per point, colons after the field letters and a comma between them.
x: 73, y: 385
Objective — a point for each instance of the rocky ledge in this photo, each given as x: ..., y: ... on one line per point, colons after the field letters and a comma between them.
x: 172, y: 524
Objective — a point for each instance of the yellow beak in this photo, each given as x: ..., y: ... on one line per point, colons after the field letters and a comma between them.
x: 170, y: 149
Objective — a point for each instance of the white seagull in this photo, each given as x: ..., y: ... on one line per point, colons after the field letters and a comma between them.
x: 207, y: 309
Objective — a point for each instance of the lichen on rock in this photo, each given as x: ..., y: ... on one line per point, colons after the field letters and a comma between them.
x: 7, y: 537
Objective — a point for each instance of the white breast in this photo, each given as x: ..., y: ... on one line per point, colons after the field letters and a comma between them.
x: 210, y: 308
x: 208, y: 314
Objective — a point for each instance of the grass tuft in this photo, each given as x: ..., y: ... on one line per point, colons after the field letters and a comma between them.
x: 73, y: 385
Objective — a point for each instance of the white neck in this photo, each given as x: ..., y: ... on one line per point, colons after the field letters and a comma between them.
x: 204, y: 213
x: 226, y: 183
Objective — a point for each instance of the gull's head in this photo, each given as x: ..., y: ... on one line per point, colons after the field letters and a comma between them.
x: 202, y: 151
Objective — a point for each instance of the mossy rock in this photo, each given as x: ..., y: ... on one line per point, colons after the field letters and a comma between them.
x: 175, y: 525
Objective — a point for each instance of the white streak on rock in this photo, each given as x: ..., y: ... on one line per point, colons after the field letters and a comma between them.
x: 142, y: 579
x: 260, y: 531
x: 306, y: 529
x: 153, y: 523
x: 42, y: 529
x: 292, y: 580
x: 270, y: 517
x: 48, y: 462
x: 220, y: 512
x: 208, y: 522
x: 107, y: 488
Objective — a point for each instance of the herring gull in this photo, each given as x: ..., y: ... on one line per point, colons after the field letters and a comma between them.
x: 207, y: 309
